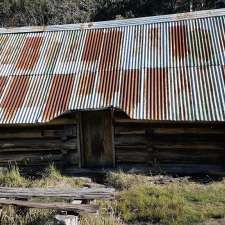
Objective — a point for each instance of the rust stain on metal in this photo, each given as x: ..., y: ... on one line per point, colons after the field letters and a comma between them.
x: 203, y: 44
x: 108, y: 85
x: 223, y: 73
x: 223, y: 42
x: 208, y: 86
x: 52, y: 52
x: 15, y: 97
x: 137, y: 48
x: 7, y: 55
x: 130, y: 89
x: 70, y: 52
x: 59, y: 95
x: 156, y: 92
x: 3, y: 41
x: 185, y: 83
x: 30, y: 53
x: 206, y: 43
x: 178, y: 41
x: 3, y: 82
x: 92, y: 46
x: 86, y: 84
x: 110, y: 55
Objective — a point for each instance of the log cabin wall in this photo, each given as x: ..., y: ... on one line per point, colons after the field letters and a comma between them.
x: 176, y: 148
x: 39, y: 145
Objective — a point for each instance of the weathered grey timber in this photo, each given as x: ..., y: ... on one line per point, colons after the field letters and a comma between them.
x: 40, y: 144
x: 184, y: 148
x: 75, y: 193
x: 77, y: 208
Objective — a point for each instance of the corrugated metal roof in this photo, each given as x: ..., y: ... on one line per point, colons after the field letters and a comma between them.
x: 157, y: 68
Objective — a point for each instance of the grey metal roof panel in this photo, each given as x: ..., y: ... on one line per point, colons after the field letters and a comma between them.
x: 166, y: 68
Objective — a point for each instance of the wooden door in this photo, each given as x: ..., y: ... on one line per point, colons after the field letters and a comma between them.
x: 97, y: 149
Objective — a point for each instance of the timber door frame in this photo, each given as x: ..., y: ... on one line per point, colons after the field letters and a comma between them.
x: 80, y: 137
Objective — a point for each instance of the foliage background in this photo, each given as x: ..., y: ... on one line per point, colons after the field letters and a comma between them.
x: 45, y: 12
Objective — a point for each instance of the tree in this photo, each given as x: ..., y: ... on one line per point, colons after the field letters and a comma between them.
x: 44, y: 12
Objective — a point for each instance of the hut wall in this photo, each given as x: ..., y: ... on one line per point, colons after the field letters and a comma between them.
x: 174, y: 147
x: 39, y: 145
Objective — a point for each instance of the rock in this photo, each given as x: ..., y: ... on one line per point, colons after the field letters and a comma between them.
x: 66, y: 220
x: 76, y: 202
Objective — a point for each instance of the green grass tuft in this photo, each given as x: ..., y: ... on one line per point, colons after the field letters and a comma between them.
x: 12, y: 178
x: 176, y: 203
x: 50, y: 178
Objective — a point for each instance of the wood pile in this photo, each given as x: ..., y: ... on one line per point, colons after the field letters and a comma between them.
x: 23, y: 198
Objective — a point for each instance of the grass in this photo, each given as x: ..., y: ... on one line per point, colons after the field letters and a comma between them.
x: 140, y: 201
x: 50, y: 178
x: 101, y: 219
x: 178, y: 203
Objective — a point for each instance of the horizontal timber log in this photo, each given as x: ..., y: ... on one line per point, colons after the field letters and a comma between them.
x: 168, y: 144
x: 179, y: 168
x: 39, y: 134
x: 36, y: 156
x: 37, y: 144
x: 72, y: 193
x: 78, y: 208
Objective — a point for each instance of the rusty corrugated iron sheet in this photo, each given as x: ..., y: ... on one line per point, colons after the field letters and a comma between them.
x: 169, y: 68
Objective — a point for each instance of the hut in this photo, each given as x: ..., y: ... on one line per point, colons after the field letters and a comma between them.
x: 146, y: 91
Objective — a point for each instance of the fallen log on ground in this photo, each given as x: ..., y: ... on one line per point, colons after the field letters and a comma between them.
x: 75, y: 193
x: 76, y: 208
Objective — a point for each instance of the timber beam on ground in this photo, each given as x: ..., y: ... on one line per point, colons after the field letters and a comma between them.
x: 73, y: 193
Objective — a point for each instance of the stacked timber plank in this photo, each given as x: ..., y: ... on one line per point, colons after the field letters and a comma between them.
x: 10, y: 196
x: 171, y: 146
x: 39, y: 145
x: 71, y: 193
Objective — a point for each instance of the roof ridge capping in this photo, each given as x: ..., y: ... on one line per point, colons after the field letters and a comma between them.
x: 117, y: 23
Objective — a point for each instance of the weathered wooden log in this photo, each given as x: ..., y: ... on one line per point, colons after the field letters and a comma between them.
x: 130, y: 155
x: 134, y: 139
x: 79, y: 208
x: 32, y: 158
x: 178, y: 168
x: 158, y: 143
x: 37, y: 144
x: 36, y: 133
x: 75, y: 193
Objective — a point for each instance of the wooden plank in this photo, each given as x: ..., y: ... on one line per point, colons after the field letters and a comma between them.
x: 184, y: 131
x: 74, y: 193
x: 69, y: 158
x: 131, y: 139
x: 80, y: 139
x: 37, y: 144
x: 113, y: 154
x: 39, y: 134
x: 78, y: 208
x: 97, y: 141
x: 188, y: 157
x: 162, y: 124
x: 129, y: 155
x: 120, y: 130
x: 179, y: 168
x: 186, y: 146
